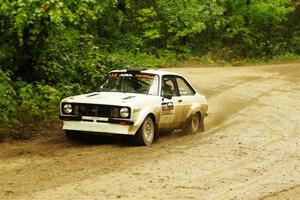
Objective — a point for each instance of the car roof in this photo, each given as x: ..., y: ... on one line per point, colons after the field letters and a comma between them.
x: 150, y: 71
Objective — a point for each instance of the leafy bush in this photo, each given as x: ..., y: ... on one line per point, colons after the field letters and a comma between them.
x: 27, y: 103
x: 295, y: 44
x: 37, y: 103
x: 8, y: 104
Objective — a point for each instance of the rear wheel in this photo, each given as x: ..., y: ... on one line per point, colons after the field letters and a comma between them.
x: 146, y: 133
x: 195, y: 125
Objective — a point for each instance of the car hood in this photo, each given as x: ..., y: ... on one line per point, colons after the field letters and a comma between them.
x: 110, y: 98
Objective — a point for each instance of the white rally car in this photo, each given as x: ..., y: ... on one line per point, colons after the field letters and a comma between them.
x: 139, y: 103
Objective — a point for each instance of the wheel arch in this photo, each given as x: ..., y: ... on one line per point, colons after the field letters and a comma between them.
x: 154, y: 118
x: 197, y: 108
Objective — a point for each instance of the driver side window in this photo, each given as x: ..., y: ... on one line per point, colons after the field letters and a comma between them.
x: 169, y: 87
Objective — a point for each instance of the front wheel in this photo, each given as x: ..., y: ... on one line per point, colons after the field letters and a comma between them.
x: 145, y: 134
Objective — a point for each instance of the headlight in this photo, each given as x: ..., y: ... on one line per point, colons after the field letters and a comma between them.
x: 124, y: 112
x: 68, y: 108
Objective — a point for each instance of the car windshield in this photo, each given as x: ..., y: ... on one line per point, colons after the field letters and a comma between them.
x: 142, y: 83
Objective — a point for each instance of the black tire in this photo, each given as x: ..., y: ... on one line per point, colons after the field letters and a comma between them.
x: 146, y: 133
x: 195, y: 125
x: 72, y: 136
x: 202, y: 126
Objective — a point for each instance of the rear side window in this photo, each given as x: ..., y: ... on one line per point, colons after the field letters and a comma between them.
x: 184, y: 88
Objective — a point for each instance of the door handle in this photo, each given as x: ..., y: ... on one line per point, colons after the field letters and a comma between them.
x: 180, y: 100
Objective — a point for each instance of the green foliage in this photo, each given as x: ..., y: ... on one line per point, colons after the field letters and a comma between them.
x: 37, y: 102
x: 87, y: 63
x: 8, y: 103
x: 26, y: 25
x: 30, y: 18
x: 257, y: 27
x: 295, y: 44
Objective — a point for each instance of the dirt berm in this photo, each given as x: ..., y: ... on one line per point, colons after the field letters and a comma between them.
x: 250, y: 149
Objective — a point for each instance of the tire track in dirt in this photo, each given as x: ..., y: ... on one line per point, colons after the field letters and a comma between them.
x: 283, y: 194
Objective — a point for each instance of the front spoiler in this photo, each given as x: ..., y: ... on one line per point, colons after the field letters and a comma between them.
x: 96, y: 125
x: 110, y: 120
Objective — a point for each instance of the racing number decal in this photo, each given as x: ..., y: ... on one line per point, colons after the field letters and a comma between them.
x: 167, y: 108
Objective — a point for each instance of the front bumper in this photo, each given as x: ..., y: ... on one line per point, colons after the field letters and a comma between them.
x: 99, y: 125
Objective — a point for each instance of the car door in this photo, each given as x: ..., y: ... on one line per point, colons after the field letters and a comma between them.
x: 186, y: 96
x: 171, y: 113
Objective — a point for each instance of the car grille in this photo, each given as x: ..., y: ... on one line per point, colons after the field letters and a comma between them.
x: 95, y: 110
x: 91, y: 110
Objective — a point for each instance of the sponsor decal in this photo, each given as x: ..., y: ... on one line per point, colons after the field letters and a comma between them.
x: 149, y: 76
x: 114, y: 75
x: 125, y: 75
x: 167, y: 108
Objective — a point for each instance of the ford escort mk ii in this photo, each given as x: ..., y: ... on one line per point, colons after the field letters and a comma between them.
x: 139, y: 103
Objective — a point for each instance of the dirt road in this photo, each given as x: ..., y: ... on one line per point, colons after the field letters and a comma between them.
x: 250, y: 149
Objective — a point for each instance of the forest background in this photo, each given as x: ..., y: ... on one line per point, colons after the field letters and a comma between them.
x: 50, y: 49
